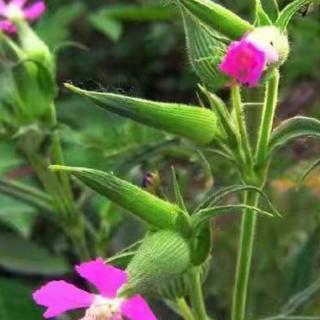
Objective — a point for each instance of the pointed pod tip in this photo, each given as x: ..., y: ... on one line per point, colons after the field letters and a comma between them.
x: 59, y: 168
x: 73, y: 88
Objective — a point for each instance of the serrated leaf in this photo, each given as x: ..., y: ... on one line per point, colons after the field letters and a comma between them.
x: 288, y: 12
x: 16, y: 301
x: 19, y: 255
x: 206, y: 49
x: 194, y: 123
x: 151, y: 209
x: 218, y: 18
x: 293, y: 128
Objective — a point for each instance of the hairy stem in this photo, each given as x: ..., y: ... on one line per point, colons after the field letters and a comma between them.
x: 196, y: 296
x: 247, y: 233
x: 249, y: 218
x: 238, y: 108
x: 269, y: 108
x: 185, y: 310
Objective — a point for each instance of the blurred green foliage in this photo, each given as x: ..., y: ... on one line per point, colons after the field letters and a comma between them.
x: 138, y: 47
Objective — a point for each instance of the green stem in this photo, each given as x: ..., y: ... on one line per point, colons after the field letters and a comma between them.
x: 248, y: 224
x: 266, y: 124
x: 196, y: 296
x: 185, y: 310
x: 238, y: 108
x: 249, y: 219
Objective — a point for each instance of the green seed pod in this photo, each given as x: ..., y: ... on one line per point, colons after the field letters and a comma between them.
x: 194, y: 123
x: 163, y: 256
x: 158, y: 213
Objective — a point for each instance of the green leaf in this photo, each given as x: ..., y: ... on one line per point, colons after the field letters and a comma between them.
x: 218, y: 18
x: 111, y: 28
x: 194, y: 123
x: 19, y: 255
x: 262, y: 19
x: 206, y: 48
x: 17, y: 216
x: 16, y: 301
x: 26, y: 194
x: 151, y: 209
x: 109, y: 20
x: 205, y: 215
x: 54, y: 27
x: 288, y: 12
x: 293, y: 128
x: 305, y: 264
x: 271, y: 7
x: 215, y: 197
x: 177, y: 191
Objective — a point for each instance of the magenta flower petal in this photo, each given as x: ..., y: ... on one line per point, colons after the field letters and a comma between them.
x: 244, y: 62
x: 2, y: 7
x: 18, y: 3
x: 106, y: 278
x: 136, y: 308
x: 61, y: 296
x: 34, y: 11
x: 8, y: 27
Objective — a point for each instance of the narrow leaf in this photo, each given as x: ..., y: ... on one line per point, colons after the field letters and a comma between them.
x: 194, y: 123
x: 214, y: 198
x: 151, y: 209
x: 288, y: 12
x: 177, y: 191
x: 218, y: 18
x: 206, y: 214
x: 262, y: 19
x: 294, y: 128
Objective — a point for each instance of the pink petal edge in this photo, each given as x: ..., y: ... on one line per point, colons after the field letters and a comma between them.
x: 8, y: 27
x: 34, y: 11
x: 61, y: 296
x: 106, y: 278
x: 136, y: 308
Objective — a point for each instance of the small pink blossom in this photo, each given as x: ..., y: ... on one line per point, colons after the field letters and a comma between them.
x: 10, y: 10
x: 61, y: 296
x: 246, y: 60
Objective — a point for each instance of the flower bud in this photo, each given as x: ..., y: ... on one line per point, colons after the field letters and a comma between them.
x: 270, y: 36
x: 162, y: 257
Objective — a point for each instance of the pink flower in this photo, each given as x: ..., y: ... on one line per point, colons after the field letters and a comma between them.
x: 246, y: 60
x: 61, y: 296
x: 10, y: 10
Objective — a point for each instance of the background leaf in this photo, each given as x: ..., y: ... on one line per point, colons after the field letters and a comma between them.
x: 19, y: 255
x: 16, y: 302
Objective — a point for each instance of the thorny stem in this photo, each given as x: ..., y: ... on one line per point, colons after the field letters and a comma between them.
x: 249, y: 219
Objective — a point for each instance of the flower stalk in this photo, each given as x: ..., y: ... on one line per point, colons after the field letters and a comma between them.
x: 249, y: 218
